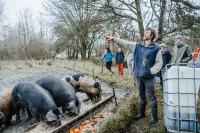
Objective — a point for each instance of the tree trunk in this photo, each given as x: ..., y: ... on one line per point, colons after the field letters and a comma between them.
x: 83, y: 50
x: 100, y: 50
x: 70, y: 52
x: 139, y: 17
x: 89, y: 54
x: 76, y: 54
x: 161, y: 20
x: 73, y: 54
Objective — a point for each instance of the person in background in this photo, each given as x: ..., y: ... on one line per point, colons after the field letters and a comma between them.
x: 130, y: 63
x: 147, y: 62
x: 181, y: 52
x: 158, y: 43
x: 119, y: 59
x: 166, y: 57
x: 196, y: 58
x: 108, y: 55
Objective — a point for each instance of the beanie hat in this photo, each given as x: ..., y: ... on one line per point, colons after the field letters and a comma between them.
x: 179, y: 37
x: 162, y: 45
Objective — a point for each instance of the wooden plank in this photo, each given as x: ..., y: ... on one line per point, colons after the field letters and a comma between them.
x: 74, y: 120
x: 62, y: 129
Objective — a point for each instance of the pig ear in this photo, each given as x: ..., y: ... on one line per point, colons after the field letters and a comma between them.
x: 50, y: 116
x: 1, y: 115
x: 60, y: 111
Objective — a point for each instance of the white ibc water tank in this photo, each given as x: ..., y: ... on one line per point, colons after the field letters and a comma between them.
x: 186, y: 86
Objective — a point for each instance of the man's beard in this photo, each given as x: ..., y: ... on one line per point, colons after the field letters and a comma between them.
x: 146, y: 39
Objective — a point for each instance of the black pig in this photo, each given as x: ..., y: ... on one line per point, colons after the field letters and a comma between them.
x: 63, y: 94
x: 37, y: 101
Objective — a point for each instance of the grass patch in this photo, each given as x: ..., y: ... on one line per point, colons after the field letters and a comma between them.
x: 143, y: 123
x: 49, y: 63
x: 122, y: 118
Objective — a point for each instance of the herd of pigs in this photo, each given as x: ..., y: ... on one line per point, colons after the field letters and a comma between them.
x: 47, y: 98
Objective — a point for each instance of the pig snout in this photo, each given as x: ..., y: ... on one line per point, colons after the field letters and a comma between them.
x: 1, y: 118
x: 51, y: 117
x: 1, y: 115
x: 72, y: 109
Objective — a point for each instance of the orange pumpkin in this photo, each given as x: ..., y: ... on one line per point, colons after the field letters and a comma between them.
x: 71, y: 131
x: 77, y: 130
x: 83, y: 123
x: 93, y: 129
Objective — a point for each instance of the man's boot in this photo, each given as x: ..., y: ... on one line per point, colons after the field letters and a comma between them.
x: 142, y: 111
x: 154, y: 118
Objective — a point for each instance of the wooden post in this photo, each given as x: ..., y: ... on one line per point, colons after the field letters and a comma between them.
x: 102, y: 67
x: 114, y: 96
x: 93, y: 72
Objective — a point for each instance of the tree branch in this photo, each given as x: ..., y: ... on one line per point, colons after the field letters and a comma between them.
x: 188, y: 4
x: 154, y: 9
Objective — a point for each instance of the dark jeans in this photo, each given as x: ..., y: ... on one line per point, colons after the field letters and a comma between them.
x: 108, y: 65
x: 148, y: 85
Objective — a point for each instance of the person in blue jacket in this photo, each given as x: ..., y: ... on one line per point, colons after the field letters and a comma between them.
x: 108, y: 55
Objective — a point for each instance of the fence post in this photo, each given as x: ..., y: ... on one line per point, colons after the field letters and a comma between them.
x: 93, y: 72
x: 114, y: 96
x: 102, y: 67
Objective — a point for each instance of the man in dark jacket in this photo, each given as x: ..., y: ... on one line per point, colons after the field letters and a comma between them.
x: 166, y: 57
x: 119, y: 59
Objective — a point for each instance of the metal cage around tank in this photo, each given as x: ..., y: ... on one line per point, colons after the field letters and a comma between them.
x: 176, y: 98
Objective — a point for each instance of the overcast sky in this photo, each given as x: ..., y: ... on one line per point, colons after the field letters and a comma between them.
x: 14, y: 6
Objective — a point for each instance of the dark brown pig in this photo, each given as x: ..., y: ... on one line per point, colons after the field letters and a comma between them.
x: 6, y: 108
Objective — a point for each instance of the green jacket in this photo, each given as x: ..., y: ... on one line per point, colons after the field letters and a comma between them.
x: 181, y: 54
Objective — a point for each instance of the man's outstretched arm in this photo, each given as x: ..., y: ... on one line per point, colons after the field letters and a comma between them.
x: 126, y: 44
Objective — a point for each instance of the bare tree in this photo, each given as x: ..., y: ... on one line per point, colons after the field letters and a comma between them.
x: 76, y: 21
x: 2, y: 11
x: 26, y: 28
x: 188, y: 4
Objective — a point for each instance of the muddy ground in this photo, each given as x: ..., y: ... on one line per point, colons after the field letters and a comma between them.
x: 9, y: 78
